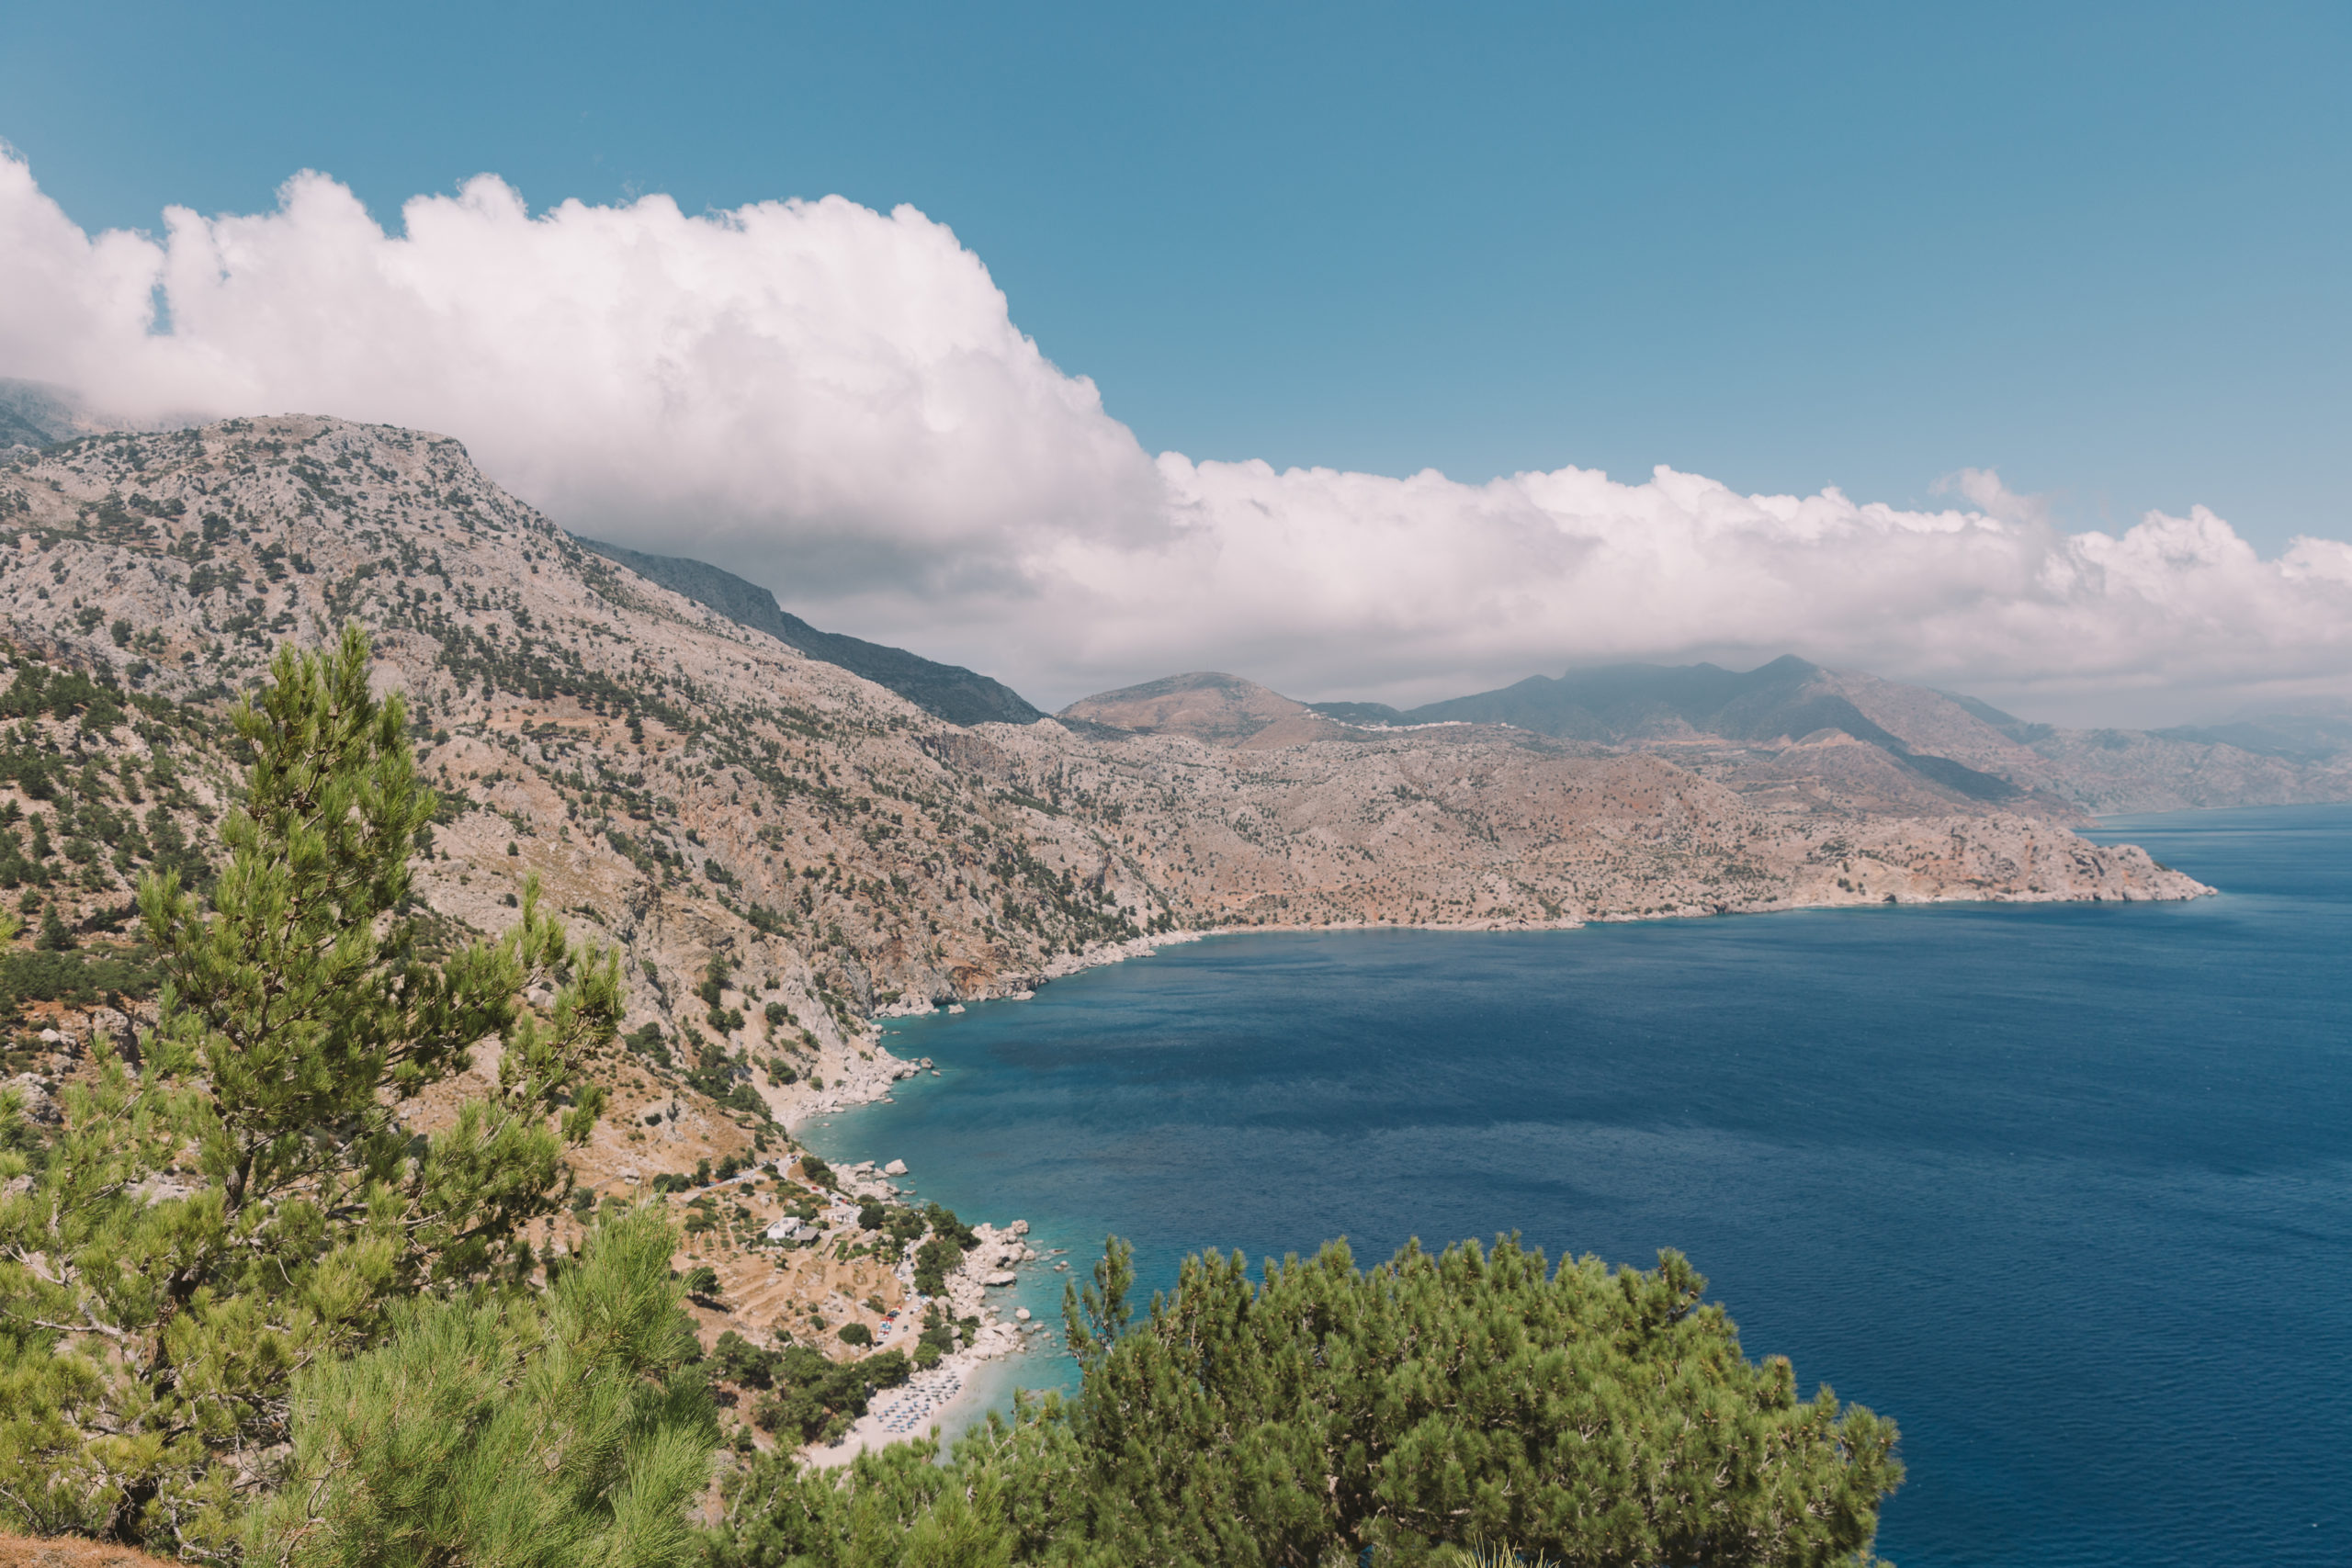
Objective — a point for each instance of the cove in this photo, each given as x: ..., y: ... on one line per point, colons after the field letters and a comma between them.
x: 2065, y: 1190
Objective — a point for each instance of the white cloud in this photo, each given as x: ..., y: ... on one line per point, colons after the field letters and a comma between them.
x: 837, y: 402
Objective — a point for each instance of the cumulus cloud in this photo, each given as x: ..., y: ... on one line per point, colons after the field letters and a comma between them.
x: 837, y: 402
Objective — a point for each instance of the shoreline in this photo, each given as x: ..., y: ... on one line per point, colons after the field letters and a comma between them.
x: 952, y: 1397
x: 943, y: 1403
x: 874, y: 1087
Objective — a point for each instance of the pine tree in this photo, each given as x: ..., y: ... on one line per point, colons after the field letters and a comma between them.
x: 1582, y: 1415
x: 1588, y: 1416
x: 244, y: 1204
x: 527, y: 1432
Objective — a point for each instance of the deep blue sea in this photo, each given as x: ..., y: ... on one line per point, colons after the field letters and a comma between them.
x: 2066, y: 1190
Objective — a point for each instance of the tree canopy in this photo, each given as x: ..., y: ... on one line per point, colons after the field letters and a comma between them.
x: 530, y: 1432
x: 1584, y: 1416
x: 237, y: 1200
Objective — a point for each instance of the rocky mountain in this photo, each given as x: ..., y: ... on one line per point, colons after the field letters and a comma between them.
x: 2314, y: 729
x: 782, y: 849
x: 1955, y: 742
x: 33, y: 415
x: 1223, y: 710
x: 945, y: 690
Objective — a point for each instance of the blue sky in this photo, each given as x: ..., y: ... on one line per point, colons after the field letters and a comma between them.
x: 2102, y: 249
x: 2055, y: 298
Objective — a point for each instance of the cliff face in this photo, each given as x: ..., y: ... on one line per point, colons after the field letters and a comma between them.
x: 700, y: 790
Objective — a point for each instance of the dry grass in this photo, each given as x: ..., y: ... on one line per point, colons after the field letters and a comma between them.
x: 71, y: 1552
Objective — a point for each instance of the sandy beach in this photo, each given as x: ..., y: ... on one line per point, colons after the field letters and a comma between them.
x: 945, y: 1400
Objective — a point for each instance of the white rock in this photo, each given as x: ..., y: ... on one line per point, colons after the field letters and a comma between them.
x: 1021, y: 1312
x: 896, y: 1167
x: 1002, y: 1277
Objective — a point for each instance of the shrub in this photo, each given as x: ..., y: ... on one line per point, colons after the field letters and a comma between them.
x: 1326, y: 1414
x: 817, y: 1399
x: 736, y: 1359
x: 855, y: 1334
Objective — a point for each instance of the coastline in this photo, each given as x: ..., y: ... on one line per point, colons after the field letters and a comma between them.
x: 949, y: 1399
x: 886, y: 1070
x: 943, y: 1404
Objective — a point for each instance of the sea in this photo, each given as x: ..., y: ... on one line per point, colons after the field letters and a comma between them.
x: 2063, y: 1190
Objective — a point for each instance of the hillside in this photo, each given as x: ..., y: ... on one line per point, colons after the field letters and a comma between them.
x: 944, y: 691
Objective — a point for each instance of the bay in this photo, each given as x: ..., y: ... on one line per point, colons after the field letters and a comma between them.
x: 2065, y: 1190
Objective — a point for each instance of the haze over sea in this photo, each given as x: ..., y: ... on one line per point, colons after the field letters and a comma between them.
x: 2065, y: 1189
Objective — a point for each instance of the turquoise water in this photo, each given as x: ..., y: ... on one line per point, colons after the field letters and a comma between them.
x: 2065, y: 1190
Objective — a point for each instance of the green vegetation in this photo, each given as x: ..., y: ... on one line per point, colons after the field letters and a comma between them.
x: 1584, y: 1416
x: 251, y: 1202
x: 55, y: 974
x: 536, y: 1432
x: 814, y: 1400
x: 944, y: 1252
x: 806, y: 1398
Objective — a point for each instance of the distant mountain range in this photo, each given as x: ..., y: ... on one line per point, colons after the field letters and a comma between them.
x: 1759, y: 723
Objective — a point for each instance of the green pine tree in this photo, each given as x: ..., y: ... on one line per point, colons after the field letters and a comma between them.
x: 1588, y: 1416
x: 530, y: 1432
x: 1471, y: 1399
x: 243, y: 1203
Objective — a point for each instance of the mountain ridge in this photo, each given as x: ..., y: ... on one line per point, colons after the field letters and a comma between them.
x: 704, y: 786
x: 947, y: 691
x: 1955, y: 741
